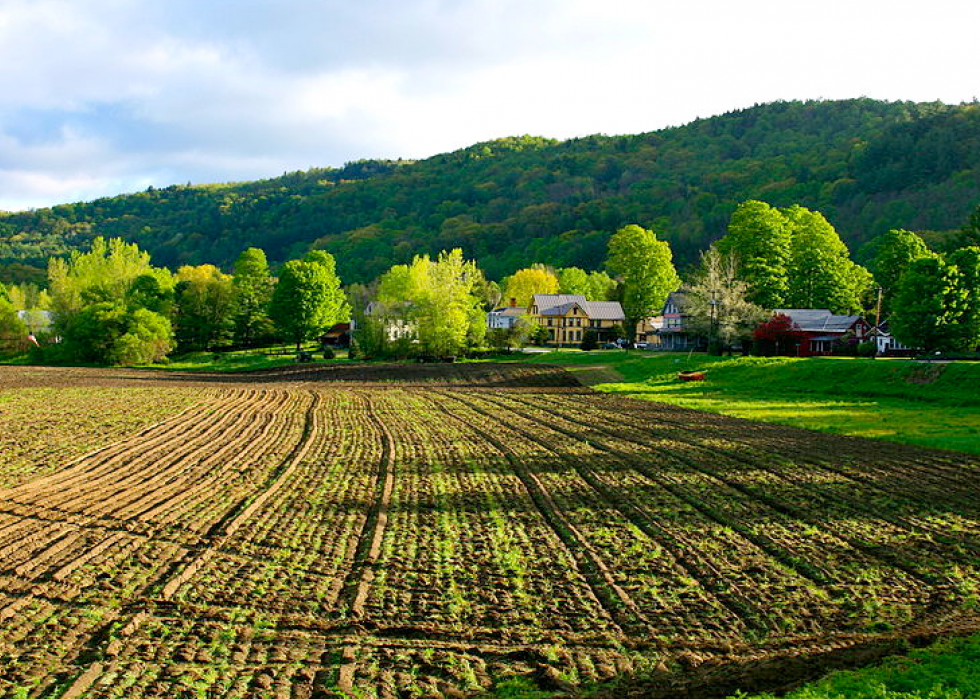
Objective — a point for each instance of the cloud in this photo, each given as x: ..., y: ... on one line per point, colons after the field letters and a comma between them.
x: 104, y: 96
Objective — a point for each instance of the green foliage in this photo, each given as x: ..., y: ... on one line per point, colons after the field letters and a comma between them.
x: 428, y: 307
x: 307, y: 298
x: 819, y: 269
x: 949, y: 669
x: 13, y: 332
x: 590, y: 341
x: 595, y: 286
x: 967, y: 262
x: 205, y: 299
x: 758, y: 240
x: 111, y: 333
x: 253, y: 285
x: 645, y: 266
x: 896, y: 250
x: 871, y: 165
x: 110, y: 305
x: 929, y: 304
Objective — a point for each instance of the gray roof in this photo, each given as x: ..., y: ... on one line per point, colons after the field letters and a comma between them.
x: 560, y: 304
x: 818, y: 319
x: 509, y: 311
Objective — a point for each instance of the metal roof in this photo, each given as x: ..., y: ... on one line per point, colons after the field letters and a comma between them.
x: 560, y: 304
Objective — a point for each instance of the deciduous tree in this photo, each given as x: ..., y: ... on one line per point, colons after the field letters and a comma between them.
x: 524, y: 283
x: 645, y: 266
x: 929, y: 304
x: 758, y: 239
x: 253, y: 285
x: 307, y: 299
x: 896, y: 250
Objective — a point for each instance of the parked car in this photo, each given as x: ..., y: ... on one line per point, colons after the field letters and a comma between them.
x: 641, y: 345
x: 611, y: 345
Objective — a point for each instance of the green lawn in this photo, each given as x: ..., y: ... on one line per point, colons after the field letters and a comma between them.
x: 928, y: 404
x: 950, y: 669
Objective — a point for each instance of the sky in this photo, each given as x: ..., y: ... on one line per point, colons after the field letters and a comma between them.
x: 101, y: 97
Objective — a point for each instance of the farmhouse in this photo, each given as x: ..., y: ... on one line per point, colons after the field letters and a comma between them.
x: 820, y: 330
x: 675, y: 332
x: 567, y: 317
x: 505, y: 317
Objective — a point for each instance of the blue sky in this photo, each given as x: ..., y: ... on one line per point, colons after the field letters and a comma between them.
x: 108, y: 96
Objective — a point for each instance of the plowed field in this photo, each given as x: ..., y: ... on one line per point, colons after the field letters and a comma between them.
x: 429, y: 530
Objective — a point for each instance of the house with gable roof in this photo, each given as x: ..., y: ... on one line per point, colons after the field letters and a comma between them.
x: 567, y: 317
x: 820, y: 330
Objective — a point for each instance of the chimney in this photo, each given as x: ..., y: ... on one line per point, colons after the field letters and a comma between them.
x: 513, y: 302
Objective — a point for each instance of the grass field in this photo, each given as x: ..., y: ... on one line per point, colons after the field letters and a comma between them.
x: 950, y: 669
x: 927, y: 404
x: 401, y: 531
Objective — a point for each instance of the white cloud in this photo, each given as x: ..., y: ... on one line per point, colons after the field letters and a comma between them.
x: 103, y: 96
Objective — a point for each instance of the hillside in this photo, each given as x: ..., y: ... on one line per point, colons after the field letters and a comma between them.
x: 867, y: 165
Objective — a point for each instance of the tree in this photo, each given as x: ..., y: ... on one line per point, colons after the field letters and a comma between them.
x: 644, y: 264
x: 437, y: 299
x: 307, y: 298
x: 970, y: 235
x: 204, y: 304
x: 594, y: 286
x: 253, y: 285
x: 108, y: 332
x: 820, y: 271
x: 758, y: 240
x: 896, y: 250
x: 13, y: 333
x: 928, y: 306
x: 717, y: 302
x: 776, y: 336
x: 967, y: 262
x: 524, y: 283
x: 110, y: 303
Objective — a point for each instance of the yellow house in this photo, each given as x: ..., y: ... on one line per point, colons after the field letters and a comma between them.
x: 567, y: 317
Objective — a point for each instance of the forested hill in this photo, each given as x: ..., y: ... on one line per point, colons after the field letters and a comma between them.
x: 867, y: 165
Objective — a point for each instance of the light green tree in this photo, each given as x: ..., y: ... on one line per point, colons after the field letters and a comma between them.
x: 758, y: 240
x: 896, y: 250
x: 307, y: 298
x: 204, y: 304
x: 820, y: 271
x: 253, y: 285
x: 967, y: 262
x: 646, y: 270
x: 595, y: 286
x: 929, y: 304
x: 436, y: 301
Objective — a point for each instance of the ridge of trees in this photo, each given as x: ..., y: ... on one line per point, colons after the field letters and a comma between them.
x: 867, y: 165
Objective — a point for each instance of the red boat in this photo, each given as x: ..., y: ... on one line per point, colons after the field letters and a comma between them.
x: 690, y: 375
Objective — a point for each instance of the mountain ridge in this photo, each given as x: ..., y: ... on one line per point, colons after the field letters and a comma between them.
x: 868, y: 165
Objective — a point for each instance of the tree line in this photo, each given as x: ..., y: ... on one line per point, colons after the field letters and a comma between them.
x: 112, y: 305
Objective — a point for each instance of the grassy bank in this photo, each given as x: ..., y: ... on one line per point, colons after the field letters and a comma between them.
x: 928, y: 404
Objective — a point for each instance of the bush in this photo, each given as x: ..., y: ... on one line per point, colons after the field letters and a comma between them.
x: 590, y: 341
x: 328, y: 353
